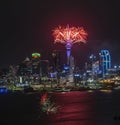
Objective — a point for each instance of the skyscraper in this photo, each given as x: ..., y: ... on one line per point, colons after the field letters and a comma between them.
x: 35, y: 63
x: 56, y: 59
x: 105, y: 61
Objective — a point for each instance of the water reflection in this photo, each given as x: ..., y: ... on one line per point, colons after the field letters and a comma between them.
x: 105, y: 90
x: 76, y: 108
x: 83, y: 108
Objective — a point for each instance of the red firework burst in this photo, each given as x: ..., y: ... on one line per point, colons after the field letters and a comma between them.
x: 71, y: 34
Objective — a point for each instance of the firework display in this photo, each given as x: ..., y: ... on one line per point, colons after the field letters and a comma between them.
x: 69, y: 36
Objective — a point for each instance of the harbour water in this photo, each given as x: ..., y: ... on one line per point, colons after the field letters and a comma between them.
x: 76, y: 108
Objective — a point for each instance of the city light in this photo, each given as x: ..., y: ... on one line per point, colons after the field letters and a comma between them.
x: 36, y: 55
x: 115, y: 66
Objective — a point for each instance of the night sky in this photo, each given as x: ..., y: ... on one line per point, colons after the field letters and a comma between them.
x: 26, y: 26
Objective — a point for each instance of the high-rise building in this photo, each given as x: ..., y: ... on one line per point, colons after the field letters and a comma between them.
x: 72, y: 65
x: 95, y: 68
x: 44, y: 66
x: 56, y: 59
x: 105, y: 61
x: 36, y: 63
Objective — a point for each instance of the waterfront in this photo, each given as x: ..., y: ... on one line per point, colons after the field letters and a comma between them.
x: 76, y: 108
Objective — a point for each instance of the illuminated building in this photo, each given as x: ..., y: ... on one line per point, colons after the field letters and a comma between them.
x: 36, y: 63
x: 36, y: 55
x: 95, y: 68
x: 105, y: 61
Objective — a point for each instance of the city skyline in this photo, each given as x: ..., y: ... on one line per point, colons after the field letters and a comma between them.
x: 27, y: 27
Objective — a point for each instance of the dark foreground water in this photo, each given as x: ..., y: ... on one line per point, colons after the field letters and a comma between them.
x: 76, y: 108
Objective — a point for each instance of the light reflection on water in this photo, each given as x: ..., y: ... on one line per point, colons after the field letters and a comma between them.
x: 107, y: 91
x: 76, y: 108
x: 83, y: 108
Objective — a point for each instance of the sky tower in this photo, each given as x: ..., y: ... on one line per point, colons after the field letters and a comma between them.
x: 69, y: 36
